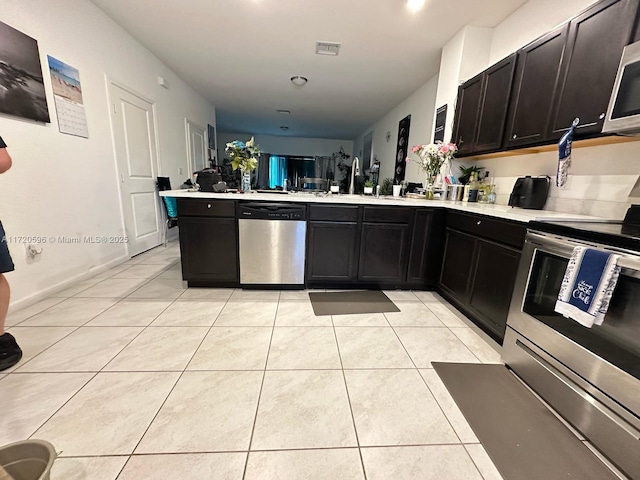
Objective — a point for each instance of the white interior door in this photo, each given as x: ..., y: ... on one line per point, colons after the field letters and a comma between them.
x: 134, y: 134
x: 196, y: 146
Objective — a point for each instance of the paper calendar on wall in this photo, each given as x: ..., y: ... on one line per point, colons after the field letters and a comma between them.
x: 67, y: 95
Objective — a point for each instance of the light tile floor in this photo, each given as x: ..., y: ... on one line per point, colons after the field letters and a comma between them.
x: 132, y: 376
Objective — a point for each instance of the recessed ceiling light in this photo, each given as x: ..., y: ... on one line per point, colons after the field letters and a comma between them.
x: 284, y: 112
x: 415, y: 5
x: 284, y: 127
x: 299, y: 80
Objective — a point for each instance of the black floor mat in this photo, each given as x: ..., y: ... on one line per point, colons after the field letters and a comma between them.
x: 346, y: 303
x: 522, y: 437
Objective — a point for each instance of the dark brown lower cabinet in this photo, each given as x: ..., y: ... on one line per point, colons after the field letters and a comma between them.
x: 478, y: 270
x: 425, y: 252
x: 209, y: 250
x: 492, y: 284
x: 383, y: 252
x: 331, y: 251
x: 457, y: 263
x: 373, y: 246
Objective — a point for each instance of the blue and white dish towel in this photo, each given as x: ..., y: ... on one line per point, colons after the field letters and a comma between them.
x: 588, y: 285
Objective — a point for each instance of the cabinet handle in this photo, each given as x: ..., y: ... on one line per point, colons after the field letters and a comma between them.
x: 515, y: 136
x: 479, y: 222
x: 602, y: 115
x: 208, y: 205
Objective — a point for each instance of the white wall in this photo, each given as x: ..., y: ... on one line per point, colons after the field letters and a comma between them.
x: 65, y: 185
x: 463, y: 57
x: 296, y: 146
x: 421, y: 106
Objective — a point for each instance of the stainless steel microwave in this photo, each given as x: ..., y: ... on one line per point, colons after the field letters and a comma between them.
x: 623, y: 114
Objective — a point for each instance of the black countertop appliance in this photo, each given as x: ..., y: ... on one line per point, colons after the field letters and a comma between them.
x: 530, y: 192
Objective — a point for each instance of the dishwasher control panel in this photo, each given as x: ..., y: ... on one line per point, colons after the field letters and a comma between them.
x: 272, y: 211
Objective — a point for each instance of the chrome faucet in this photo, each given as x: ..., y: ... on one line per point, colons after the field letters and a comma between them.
x: 355, y: 170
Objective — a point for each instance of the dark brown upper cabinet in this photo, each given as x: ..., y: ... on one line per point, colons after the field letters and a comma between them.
x: 481, y: 110
x: 466, y: 119
x: 535, y: 80
x: 496, y: 90
x: 594, y: 48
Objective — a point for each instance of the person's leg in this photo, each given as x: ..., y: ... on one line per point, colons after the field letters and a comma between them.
x: 5, y: 293
x: 10, y: 352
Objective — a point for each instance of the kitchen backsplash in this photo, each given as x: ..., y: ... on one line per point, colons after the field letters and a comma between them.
x: 606, y: 196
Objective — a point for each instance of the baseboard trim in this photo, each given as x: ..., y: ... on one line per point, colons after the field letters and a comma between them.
x: 47, y: 292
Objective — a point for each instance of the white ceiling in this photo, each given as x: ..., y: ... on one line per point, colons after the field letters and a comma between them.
x: 240, y: 54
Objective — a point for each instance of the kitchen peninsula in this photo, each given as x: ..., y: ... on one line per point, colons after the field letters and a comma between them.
x: 467, y: 252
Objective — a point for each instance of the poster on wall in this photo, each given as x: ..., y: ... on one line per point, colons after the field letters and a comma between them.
x: 441, y: 120
x: 402, y: 149
x: 21, y: 83
x: 67, y: 96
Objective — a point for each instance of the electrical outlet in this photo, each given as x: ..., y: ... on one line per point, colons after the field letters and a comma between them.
x: 180, y: 171
x: 33, y: 252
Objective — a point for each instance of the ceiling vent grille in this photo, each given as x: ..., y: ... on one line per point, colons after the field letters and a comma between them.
x: 327, y: 48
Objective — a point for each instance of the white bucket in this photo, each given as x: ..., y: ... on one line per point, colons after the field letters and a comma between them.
x: 28, y: 460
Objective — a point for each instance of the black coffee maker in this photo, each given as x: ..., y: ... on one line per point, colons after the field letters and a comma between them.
x: 530, y: 192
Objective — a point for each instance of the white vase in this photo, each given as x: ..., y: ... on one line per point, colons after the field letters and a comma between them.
x: 368, y: 190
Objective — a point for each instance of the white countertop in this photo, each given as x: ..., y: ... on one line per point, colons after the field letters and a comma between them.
x: 500, y: 211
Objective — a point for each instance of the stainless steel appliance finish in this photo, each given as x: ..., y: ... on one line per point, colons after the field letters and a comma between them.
x: 623, y: 114
x: 590, y: 376
x: 272, y: 240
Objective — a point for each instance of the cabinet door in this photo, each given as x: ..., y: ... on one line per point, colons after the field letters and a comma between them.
x: 331, y: 251
x: 466, y: 119
x: 496, y: 90
x: 457, y: 263
x: 492, y: 285
x: 383, y: 252
x: 209, y: 249
x: 594, y: 48
x: 420, y: 261
x: 536, y: 78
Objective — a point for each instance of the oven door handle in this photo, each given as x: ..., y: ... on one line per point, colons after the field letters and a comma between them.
x: 625, y: 261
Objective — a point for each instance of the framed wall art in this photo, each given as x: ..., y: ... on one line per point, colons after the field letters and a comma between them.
x: 21, y: 83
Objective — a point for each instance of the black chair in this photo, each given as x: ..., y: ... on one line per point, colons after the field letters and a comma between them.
x: 170, y: 206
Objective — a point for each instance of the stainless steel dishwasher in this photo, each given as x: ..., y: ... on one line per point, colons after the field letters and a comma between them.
x: 272, y: 243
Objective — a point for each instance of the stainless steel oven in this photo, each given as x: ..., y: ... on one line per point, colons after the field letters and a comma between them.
x: 591, y: 376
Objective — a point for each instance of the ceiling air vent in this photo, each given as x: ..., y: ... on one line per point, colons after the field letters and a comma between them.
x: 327, y: 48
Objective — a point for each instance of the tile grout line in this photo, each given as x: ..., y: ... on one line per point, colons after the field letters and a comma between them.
x: 464, y: 446
x: 353, y: 418
x: 264, y: 375
x: 95, y: 374
x: 62, y: 299
x: 77, y: 327
x: 172, y: 388
x: 427, y: 386
x: 184, y: 370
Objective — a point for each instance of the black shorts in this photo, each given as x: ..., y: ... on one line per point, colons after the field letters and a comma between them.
x: 6, y: 264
